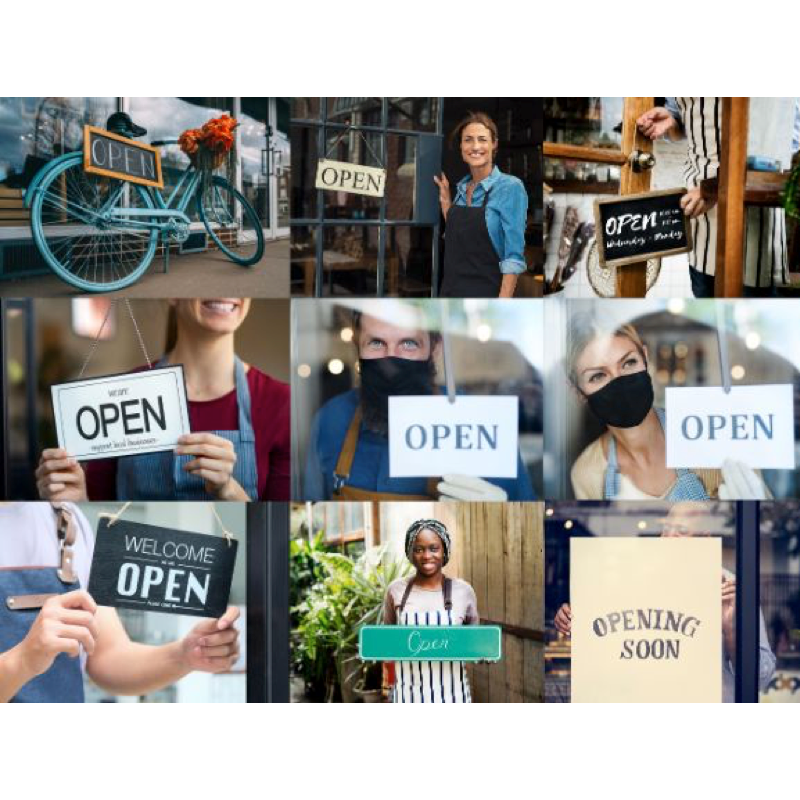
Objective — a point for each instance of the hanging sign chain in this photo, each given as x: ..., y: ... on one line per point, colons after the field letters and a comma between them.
x: 90, y: 354
x: 364, y: 139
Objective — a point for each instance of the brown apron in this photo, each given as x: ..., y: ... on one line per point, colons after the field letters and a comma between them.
x: 344, y: 464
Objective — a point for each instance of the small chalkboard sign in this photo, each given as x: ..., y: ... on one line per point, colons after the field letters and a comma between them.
x: 114, y: 156
x: 636, y: 227
x: 149, y: 568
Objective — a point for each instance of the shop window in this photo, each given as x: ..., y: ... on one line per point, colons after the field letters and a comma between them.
x: 413, y: 113
x: 306, y: 108
x: 350, y: 258
x: 408, y: 261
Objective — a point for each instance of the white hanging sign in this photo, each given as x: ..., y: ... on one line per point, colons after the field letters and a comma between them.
x: 120, y: 415
x: 341, y: 176
x: 752, y: 424
x: 476, y: 436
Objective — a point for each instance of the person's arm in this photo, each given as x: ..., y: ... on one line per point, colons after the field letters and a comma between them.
x: 59, y: 477
x: 512, y: 209
x: 767, y: 660
x: 389, y: 611
x: 65, y: 624
x: 314, y: 489
x: 662, y: 121
x: 472, y: 617
x: 445, y: 198
x: 120, y: 666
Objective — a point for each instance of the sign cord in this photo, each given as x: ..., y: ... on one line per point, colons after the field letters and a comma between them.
x: 449, y: 374
x: 112, y: 518
x: 722, y: 342
x: 225, y: 532
x: 90, y: 354
x: 365, y: 140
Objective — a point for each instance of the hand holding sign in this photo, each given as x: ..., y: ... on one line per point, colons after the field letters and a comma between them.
x: 694, y: 204
x: 213, y: 645
x: 59, y: 477
x: 466, y: 488
x: 740, y: 482
x: 445, y: 198
x: 214, y: 462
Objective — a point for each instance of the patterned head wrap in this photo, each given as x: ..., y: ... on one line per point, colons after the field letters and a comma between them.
x: 427, y: 525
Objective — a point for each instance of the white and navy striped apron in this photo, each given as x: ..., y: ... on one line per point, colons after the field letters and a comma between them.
x: 160, y: 476
x: 765, y: 255
x: 430, y: 681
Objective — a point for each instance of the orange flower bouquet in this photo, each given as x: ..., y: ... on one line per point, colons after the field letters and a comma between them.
x: 208, y: 146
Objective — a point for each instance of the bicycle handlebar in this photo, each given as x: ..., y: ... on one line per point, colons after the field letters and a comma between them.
x: 163, y: 142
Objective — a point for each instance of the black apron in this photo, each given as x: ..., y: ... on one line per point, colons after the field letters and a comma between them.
x: 471, y: 264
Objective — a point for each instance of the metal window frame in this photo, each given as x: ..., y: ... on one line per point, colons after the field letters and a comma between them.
x: 748, y: 600
x: 320, y: 222
x: 267, y: 602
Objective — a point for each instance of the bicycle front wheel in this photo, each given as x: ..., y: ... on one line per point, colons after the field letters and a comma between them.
x: 79, y: 225
x: 231, y: 222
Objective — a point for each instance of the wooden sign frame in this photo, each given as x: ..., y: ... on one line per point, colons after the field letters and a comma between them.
x: 621, y: 262
x: 88, y: 130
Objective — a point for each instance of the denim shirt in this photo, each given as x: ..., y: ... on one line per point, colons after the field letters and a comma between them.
x: 506, y: 216
x: 370, y: 469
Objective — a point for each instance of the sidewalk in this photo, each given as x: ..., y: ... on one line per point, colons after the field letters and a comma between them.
x: 198, y: 275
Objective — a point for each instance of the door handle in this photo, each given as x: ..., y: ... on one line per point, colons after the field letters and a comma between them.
x: 641, y: 161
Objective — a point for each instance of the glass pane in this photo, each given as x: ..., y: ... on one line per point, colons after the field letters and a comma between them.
x: 350, y: 260
x: 253, y: 149
x: 306, y: 107
x: 584, y: 121
x: 355, y: 110
x: 352, y: 148
x: 413, y: 113
x: 780, y: 602
x: 568, y: 175
x: 409, y: 259
x: 401, y: 177
x: 564, y: 521
x: 303, y: 260
x: 304, y: 171
x: 496, y: 347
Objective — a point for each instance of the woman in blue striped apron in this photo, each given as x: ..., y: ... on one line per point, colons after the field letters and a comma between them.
x: 699, y: 121
x: 208, y: 464
x: 430, y: 598
x: 609, y: 371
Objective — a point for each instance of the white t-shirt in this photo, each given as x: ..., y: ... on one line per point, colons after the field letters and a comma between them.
x: 28, y: 538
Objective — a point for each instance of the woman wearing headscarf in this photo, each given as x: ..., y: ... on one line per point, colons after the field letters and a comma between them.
x: 608, y: 369
x: 430, y: 598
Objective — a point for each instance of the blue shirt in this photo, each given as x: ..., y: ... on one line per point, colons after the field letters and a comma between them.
x: 506, y: 216
x: 370, y: 470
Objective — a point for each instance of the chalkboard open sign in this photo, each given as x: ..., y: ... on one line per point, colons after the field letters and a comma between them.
x: 105, y: 153
x: 637, y: 227
x: 150, y: 568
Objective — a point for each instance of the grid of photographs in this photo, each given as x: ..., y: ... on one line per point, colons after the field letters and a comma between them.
x: 399, y: 399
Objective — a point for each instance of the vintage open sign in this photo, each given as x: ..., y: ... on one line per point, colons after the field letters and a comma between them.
x: 120, y: 415
x: 149, y: 568
x: 430, y: 643
x: 106, y: 153
x: 753, y: 424
x: 430, y: 436
x: 341, y: 176
x: 633, y: 228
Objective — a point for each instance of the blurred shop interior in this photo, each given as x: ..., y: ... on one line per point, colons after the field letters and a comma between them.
x: 497, y: 350
x: 350, y: 244
x: 682, y: 344
x: 47, y: 341
x: 587, y: 135
x: 34, y: 130
x: 343, y: 556
x: 151, y: 628
x: 779, y: 580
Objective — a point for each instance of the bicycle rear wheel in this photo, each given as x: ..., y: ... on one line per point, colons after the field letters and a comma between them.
x: 231, y: 222
x: 82, y: 243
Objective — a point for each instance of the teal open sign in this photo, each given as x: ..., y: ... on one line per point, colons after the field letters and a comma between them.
x: 430, y: 643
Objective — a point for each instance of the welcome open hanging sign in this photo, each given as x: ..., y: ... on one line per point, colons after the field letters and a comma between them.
x: 150, y: 568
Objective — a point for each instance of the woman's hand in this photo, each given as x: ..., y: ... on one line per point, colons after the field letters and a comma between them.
x: 60, y: 477
x: 740, y: 482
x: 656, y: 122
x: 729, y: 615
x: 563, y: 620
x: 445, y: 201
x: 213, y: 645
x: 694, y: 204
x: 466, y: 488
x: 214, y: 462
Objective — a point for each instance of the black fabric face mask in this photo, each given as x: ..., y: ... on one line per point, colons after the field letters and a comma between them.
x: 382, y: 378
x: 625, y: 401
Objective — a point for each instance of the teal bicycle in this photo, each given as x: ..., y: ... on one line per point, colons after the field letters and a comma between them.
x: 100, y: 234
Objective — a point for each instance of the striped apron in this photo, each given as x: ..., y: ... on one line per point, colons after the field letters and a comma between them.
x: 23, y: 592
x: 160, y: 476
x: 765, y: 257
x: 429, y: 681
x: 687, y: 486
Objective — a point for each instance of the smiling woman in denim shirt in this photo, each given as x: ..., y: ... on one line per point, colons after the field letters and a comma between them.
x: 485, y: 232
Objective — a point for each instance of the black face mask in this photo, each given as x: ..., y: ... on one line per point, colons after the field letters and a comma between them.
x: 623, y: 402
x: 382, y: 378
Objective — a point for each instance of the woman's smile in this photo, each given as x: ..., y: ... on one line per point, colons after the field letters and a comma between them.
x: 221, y: 307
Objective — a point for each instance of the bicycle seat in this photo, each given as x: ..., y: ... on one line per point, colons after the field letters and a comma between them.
x: 121, y: 124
